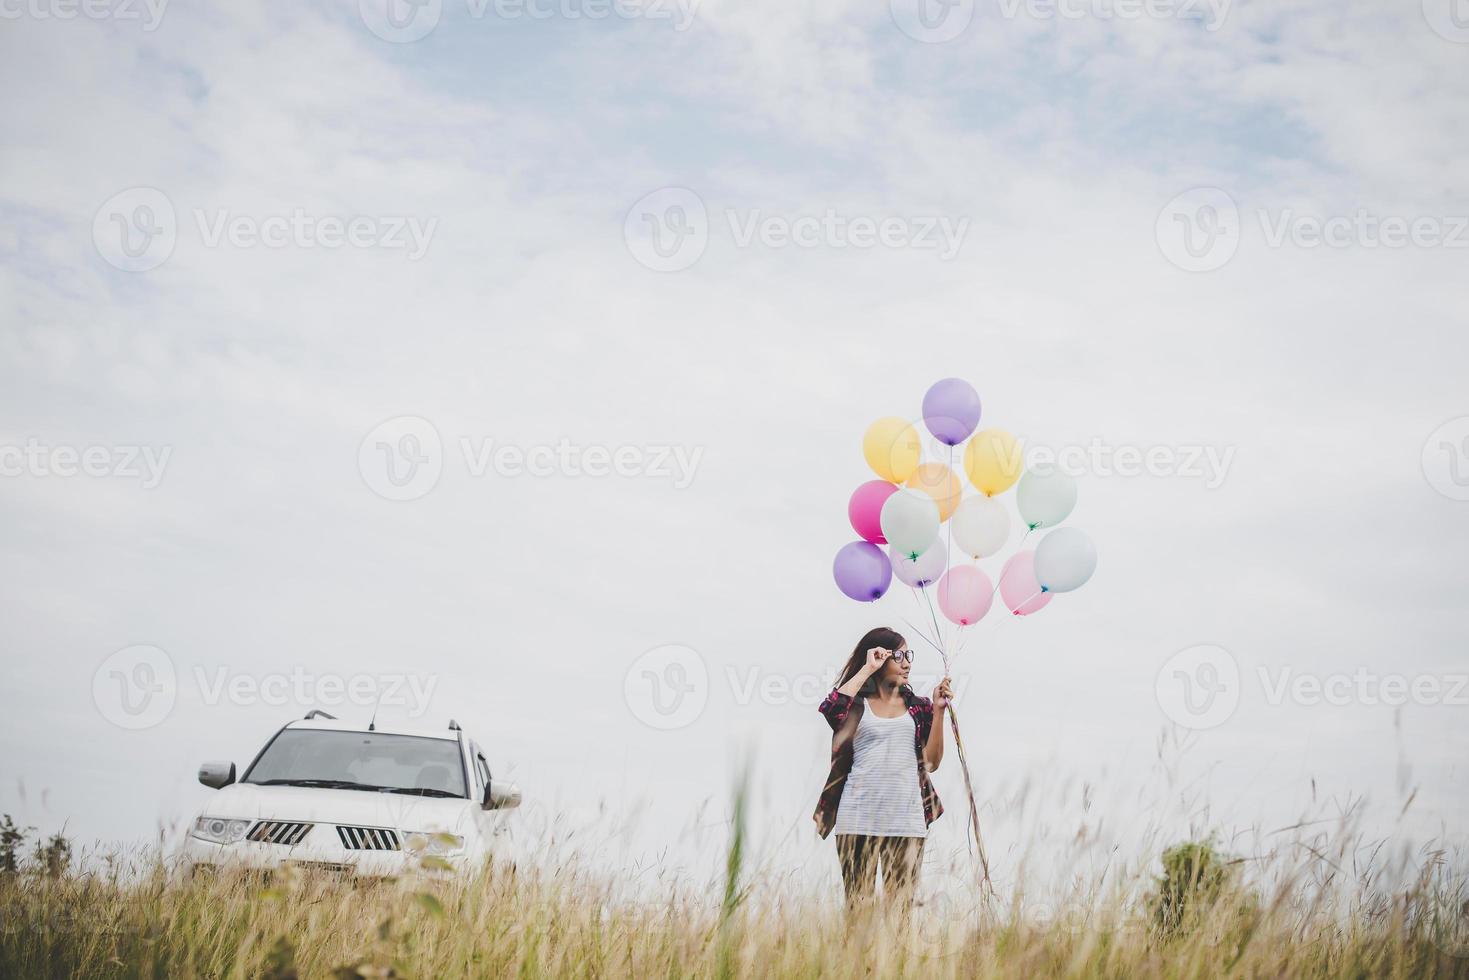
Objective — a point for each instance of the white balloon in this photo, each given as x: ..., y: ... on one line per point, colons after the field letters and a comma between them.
x: 910, y: 522
x: 1045, y: 498
x: 981, y: 526
x: 925, y: 570
x: 1065, y: 559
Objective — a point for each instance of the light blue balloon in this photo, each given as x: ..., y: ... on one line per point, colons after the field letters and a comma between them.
x: 1065, y: 559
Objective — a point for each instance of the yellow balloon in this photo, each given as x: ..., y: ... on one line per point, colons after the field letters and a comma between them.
x: 940, y: 483
x: 993, y: 461
x: 892, y: 449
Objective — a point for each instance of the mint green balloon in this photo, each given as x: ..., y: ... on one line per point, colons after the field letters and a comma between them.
x: 1045, y: 497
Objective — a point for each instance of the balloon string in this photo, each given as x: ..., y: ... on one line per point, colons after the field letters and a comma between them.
x: 932, y: 643
x: 936, y: 631
x: 922, y: 634
x: 949, y: 554
x: 963, y: 641
x: 1013, y: 613
x: 1021, y: 605
x: 984, y: 861
x: 1018, y: 546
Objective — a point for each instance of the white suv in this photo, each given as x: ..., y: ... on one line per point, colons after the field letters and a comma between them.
x: 372, y: 801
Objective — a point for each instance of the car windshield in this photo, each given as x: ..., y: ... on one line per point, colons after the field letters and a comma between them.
x: 372, y: 761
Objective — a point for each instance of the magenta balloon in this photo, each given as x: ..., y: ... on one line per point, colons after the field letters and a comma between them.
x: 965, y: 594
x: 864, y: 510
x: 1019, y: 587
x: 951, y: 410
x: 862, y: 571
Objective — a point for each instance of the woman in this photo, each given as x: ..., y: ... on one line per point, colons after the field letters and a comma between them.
x: 885, y: 742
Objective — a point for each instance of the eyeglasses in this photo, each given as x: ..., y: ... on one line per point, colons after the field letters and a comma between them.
x: 903, y: 656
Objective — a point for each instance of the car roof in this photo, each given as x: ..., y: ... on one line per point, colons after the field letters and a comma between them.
x: 337, y: 725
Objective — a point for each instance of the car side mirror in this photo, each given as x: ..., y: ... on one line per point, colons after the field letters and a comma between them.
x: 501, y: 796
x: 217, y: 775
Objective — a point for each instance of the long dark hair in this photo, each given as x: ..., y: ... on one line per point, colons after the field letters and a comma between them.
x: 883, y: 636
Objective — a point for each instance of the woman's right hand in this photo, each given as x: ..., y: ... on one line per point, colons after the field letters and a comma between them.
x: 876, y: 657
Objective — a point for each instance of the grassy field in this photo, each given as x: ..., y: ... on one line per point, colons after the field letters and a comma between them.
x: 1195, y: 915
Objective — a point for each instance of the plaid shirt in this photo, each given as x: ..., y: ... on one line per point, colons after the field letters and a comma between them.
x: 844, y: 713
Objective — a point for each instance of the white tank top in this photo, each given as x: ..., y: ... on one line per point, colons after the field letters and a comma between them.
x: 882, y: 797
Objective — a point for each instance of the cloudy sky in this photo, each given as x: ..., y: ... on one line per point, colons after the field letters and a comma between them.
x: 509, y: 362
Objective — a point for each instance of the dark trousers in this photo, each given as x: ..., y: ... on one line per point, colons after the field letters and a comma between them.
x: 861, y: 855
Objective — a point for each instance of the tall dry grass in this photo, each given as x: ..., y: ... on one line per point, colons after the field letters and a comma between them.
x: 1333, y: 914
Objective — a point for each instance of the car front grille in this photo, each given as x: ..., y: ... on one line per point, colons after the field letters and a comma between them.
x: 278, y: 832
x: 368, y: 839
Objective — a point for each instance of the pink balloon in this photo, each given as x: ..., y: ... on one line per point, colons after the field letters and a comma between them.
x: 965, y: 594
x: 1019, y: 587
x: 864, y: 510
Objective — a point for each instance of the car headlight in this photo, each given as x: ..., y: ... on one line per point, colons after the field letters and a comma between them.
x: 429, y: 842
x: 221, y: 830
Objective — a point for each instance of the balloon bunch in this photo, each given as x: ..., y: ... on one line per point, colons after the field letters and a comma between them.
x: 913, y: 501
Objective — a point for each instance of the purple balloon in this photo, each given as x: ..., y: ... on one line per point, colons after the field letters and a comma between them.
x: 951, y: 410
x: 862, y: 571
